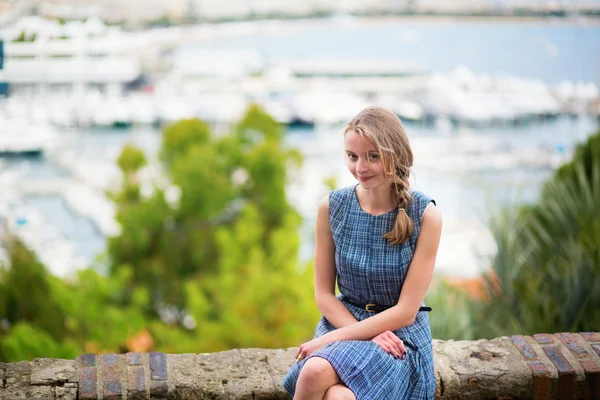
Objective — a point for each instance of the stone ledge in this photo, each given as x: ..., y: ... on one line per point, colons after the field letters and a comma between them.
x: 542, y: 366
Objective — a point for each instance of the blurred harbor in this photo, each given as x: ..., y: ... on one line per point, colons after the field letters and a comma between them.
x: 491, y: 110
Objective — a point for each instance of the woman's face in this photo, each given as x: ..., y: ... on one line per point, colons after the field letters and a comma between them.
x: 364, y: 161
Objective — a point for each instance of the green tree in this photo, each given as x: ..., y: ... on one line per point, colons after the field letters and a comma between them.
x: 25, y: 285
x: 45, y: 316
x: 26, y: 342
x: 101, y: 315
x: 216, y: 243
x: 546, y: 273
x: 258, y: 297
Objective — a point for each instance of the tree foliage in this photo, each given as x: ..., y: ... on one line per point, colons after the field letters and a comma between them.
x: 546, y: 273
x: 220, y: 260
x: 24, y: 289
x: 206, y: 258
x: 45, y: 316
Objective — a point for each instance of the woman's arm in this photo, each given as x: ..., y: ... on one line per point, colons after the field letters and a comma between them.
x: 415, y: 286
x: 329, y: 305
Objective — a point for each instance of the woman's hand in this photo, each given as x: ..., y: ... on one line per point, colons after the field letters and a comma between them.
x: 308, y: 348
x: 391, y: 344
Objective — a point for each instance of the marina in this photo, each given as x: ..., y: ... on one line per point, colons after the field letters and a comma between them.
x: 91, y: 75
x: 476, y: 132
x: 462, y: 98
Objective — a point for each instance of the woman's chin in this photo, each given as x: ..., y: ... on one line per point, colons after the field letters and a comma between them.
x: 366, y: 184
x: 372, y: 184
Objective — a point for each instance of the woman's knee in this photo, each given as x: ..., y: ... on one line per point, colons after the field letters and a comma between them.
x: 339, y: 392
x: 319, y: 372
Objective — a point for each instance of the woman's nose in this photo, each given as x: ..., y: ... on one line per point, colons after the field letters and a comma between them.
x: 363, y: 166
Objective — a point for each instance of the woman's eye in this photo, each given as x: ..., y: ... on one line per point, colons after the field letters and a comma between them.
x: 352, y: 156
x: 374, y: 156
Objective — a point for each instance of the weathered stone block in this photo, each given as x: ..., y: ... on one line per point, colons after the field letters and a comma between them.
x: 245, y: 362
x: 66, y: 392
x: 566, y: 372
x: 542, y: 385
x: 17, y: 375
x: 543, y: 338
x: 525, y: 348
x: 88, y: 382
x: 159, y: 389
x: 158, y: 366
x: 596, y: 348
x: 479, y: 369
x: 87, y: 360
x: 591, y: 336
x: 136, y: 385
x: 518, y: 381
x: 279, y: 361
x: 279, y: 389
x: 112, y: 368
x: 19, y: 393
x: 109, y: 359
x: 207, y: 390
x: 49, y: 371
x: 88, y: 390
x: 42, y: 393
x: 252, y: 387
x: 195, y: 375
x: 112, y: 391
x: 87, y: 374
x: 449, y: 379
x: 134, y: 358
x: 2, y: 368
x: 592, y: 376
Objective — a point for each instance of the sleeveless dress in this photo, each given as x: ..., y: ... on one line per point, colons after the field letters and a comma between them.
x: 370, y: 270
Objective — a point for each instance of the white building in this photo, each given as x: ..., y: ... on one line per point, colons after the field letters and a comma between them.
x: 138, y: 12
x: 67, y: 57
x: 132, y: 12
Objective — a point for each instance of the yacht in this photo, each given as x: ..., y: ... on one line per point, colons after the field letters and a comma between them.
x: 21, y: 138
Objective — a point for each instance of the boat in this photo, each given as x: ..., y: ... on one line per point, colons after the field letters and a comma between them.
x: 19, y: 138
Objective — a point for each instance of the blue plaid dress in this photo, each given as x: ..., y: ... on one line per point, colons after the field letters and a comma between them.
x: 370, y: 270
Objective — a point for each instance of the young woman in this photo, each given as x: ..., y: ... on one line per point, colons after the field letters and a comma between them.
x: 379, y: 239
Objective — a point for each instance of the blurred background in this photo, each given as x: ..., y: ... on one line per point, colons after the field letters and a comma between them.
x: 161, y: 163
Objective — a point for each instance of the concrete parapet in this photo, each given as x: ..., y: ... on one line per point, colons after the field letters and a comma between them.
x: 542, y: 366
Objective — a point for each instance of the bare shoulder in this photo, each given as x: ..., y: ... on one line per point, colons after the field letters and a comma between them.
x: 431, y: 231
x: 324, y: 205
x: 432, y: 217
x: 323, y: 214
x: 323, y: 208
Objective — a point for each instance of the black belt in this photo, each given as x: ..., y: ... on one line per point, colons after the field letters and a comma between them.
x: 372, y: 307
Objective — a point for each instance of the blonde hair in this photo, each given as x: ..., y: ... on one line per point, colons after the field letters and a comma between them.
x: 384, y: 129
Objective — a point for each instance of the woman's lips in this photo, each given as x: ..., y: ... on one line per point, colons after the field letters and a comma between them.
x: 364, y: 178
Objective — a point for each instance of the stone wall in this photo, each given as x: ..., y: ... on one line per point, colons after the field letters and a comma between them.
x: 560, y: 366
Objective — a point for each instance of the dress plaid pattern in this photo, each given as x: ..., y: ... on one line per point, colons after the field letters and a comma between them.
x: 370, y: 270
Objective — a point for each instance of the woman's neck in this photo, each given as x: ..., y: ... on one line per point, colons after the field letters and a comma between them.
x: 376, y: 201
